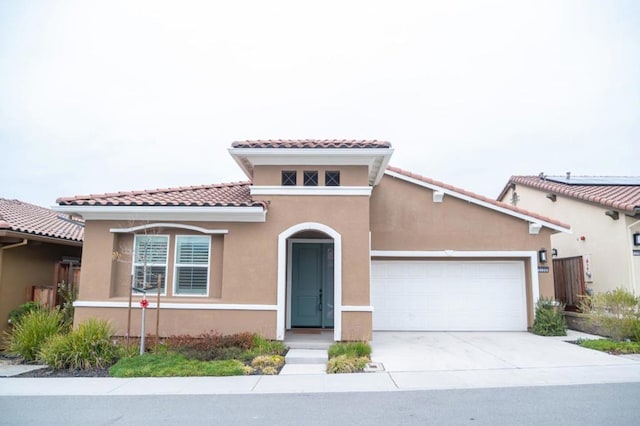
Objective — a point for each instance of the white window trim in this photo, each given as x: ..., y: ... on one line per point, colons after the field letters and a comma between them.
x: 176, y: 264
x: 168, y: 225
x: 179, y: 306
x: 166, y: 265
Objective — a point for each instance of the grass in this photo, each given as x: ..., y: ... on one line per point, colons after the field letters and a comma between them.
x: 611, y: 346
x: 350, y: 357
x: 352, y: 349
x: 174, y: 365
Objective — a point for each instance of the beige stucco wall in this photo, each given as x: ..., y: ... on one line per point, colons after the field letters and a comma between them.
x: 404, y: 217
x: 25, y: 266
x: 244, y: 261
x: 606, y: 241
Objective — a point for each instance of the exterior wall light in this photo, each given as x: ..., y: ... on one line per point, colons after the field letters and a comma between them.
x: 613, y: 214
x: 636, y: 239
x: 542, y: 256
x: 554, y: 252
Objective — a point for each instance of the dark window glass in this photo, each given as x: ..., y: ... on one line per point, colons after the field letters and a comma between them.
x: 310, y: 178
x: 289, y: 178
x: 332, y: 178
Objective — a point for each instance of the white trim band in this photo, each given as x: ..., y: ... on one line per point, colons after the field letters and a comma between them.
x: 311, y: 190
x: 168, y: 225
x: 182, y: 213
x: 188, y: 306
x: 354, y: 308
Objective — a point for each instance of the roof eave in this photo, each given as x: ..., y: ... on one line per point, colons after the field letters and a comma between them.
x: 178, y: 213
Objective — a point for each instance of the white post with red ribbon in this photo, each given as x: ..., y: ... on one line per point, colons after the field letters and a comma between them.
x: 143, y: 304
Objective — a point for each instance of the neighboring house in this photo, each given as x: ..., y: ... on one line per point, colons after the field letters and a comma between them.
x: 325, y: 235
x: 33, y: 240
x: 604, y: 213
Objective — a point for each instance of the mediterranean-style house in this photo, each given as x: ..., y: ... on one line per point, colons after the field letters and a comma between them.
x: 323, y: 235
x: 603, y: 253
x: 36, y: 244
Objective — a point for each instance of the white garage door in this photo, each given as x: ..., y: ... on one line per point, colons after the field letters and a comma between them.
x: 448, y: 295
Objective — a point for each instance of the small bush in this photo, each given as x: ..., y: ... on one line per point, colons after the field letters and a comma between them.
x: 346, y: 364
x: 270, y: 371
x: 617, y: 312
x: 88, y: 346
x: 549, y: 318
x: 353, y: 349
x: 32, y: 331
x: 264, y: 361
x: 22, y: 310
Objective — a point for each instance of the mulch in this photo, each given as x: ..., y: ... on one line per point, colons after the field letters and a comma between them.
x: 50, y: 372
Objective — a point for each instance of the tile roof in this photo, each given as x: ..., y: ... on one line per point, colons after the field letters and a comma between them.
x: 235, y: 194
x: 23, y: 217
x: 620, y: 197
x: 477, y: 197
x: 311, y: 143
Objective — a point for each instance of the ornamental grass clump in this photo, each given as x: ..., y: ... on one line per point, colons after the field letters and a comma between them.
x: 617, y: 312
x: 549, y: 318
x: 31, y: 331
x: 87, y: 346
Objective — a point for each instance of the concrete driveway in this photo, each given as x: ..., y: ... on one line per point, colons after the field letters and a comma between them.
x: 456, y: 351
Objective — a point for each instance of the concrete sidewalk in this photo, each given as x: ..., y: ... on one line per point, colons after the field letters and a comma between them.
x: 412, y: 361
x: 364, y: 382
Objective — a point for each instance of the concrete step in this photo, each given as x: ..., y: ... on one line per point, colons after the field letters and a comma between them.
x: 308, y: 344
x: 299, y: 369
x: 306, y: 356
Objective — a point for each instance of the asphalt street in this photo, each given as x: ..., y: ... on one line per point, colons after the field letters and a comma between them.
x: 567, y: 405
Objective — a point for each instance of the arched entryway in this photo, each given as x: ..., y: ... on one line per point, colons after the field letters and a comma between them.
x: 307, y: 295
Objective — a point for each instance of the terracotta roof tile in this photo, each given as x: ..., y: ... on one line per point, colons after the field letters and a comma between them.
x: 311, y: 143
x: 477, y: 197
x: 31, y: 219
x: 235, y: 194
x: 620, y: 197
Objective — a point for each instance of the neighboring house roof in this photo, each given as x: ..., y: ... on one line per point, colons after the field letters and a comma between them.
x: 624, y: 197
x: 479, y: 199
x: 21, y: 217
x: 311, y: 143
x: 235, y: 194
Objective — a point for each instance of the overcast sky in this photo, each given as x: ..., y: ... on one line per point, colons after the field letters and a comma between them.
x: 122, y: 95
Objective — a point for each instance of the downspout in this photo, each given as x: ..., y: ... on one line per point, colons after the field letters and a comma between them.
x: 20, y: 244
x: 631, y: 262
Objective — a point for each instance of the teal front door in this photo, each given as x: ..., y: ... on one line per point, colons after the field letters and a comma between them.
x: 312, y: 285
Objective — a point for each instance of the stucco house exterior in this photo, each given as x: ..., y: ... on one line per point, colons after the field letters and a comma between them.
x: 33, y: 240
x: 604, y: 213
x: 323, y: 235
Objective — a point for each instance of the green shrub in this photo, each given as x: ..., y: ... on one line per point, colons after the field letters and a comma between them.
x: 353, y: 349
x: 32, y: 331
x: 611, y: 346
x: 87, y: 346
x: 68, y: 293
x: 617, y: 312
x: 22, y: 310
x: 346, y: 364
x: 549, y: 318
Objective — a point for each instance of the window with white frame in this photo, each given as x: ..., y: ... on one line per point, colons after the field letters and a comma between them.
x: 150, y: 262
x: 191, y: 276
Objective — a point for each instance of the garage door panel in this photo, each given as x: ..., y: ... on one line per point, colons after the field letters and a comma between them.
x: 454, y: 295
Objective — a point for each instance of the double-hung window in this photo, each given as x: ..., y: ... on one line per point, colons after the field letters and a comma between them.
x: 150, y: 262
x: 191, y: 276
